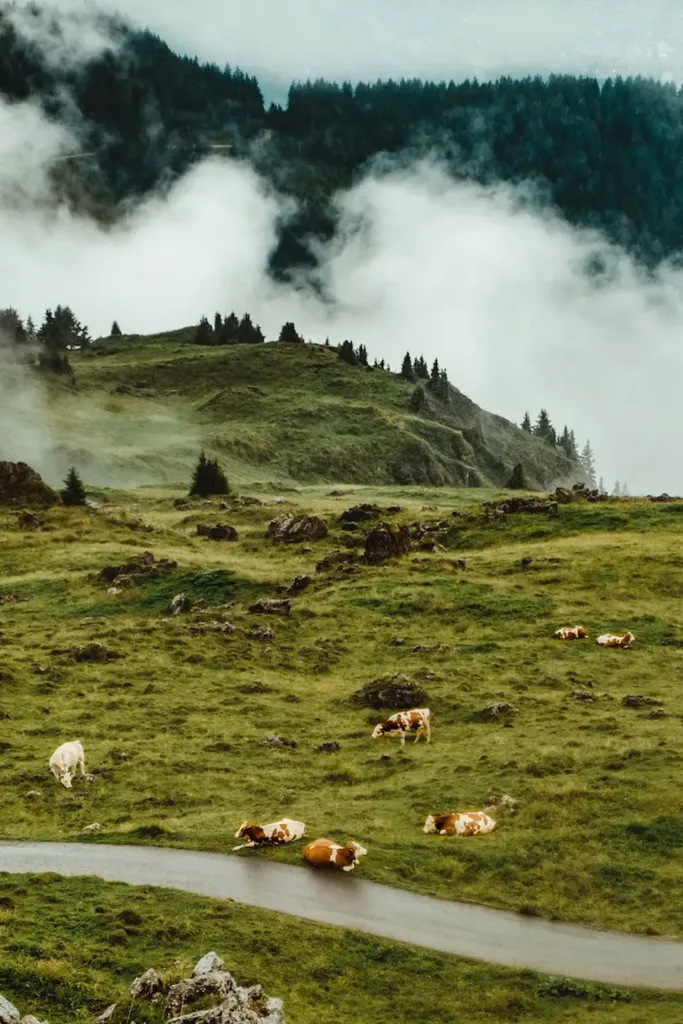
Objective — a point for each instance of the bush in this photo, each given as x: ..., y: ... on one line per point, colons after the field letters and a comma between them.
x: 290, y: 333
x: 208, y: 478
x: 74, y: 491
x: 517, y: 481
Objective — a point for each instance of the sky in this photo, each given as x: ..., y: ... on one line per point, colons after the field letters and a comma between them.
x: 367, y: 39
x: 446, y: 270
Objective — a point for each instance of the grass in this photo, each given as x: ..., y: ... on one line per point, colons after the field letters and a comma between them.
x: 78, y: 961
x: 173, y: 729
x: 280, y: 412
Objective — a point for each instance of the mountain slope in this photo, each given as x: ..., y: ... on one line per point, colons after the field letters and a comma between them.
x: 283, y: 412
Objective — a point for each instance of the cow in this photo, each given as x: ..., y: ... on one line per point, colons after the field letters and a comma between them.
x: 403, y: 723
x: 469, y: 823
x: 283, y: 831
x: 323, y: 852
x: 622, y: 640
x: 65, y: 760
x: 571, y: 633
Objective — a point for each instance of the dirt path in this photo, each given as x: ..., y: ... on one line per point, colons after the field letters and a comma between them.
x: 351, y: 901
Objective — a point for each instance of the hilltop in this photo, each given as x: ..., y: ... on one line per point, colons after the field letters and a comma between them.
x: 281, y: 412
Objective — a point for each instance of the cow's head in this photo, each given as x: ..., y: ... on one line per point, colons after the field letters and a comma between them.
x: 245, y: 831
x: 378, y: 731
x: 581, y: 633
x: 66, y: 779
x: 430, y: 824
x: 356, y: 850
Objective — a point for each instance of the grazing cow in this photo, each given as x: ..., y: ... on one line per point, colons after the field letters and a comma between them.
x: 571, y: 633
x: 471, y: 823
x: 403, y: 723
x: 322, y: 852
x: 65, y: 760
x: 283, y: 831
x: 622, y: 640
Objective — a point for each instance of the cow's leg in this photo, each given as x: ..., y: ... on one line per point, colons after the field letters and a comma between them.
x: 428, y: 730
x: 81, y: 762
x: 403, y: 739
x: 417, y: 736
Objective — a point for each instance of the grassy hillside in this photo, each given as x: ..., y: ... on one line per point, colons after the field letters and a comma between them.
x: 76, y: 964
x: 174, y: 728
x: 278, y: 412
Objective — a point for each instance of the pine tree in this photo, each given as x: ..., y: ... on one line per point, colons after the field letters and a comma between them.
x: 245, y: 331
x: 204, y: 333
x: 601, y: 486
x: 544, y: 428
x: 12, y: 327
x: 526, y: 423
x: 616, y: 493
x: 347, y: 354
x: 115, y: 331
x: 435, y: 371
x: 208, y: 478
x: 231, y: 330
x: 587, y: 463
x: 517, y: 481
x: 362, y: 355
x: 625, y: 493
x: 290, y: 333
x: 74, y: 491
x: 218, y: 325
x: 407, y: 368
x: 30, y: 328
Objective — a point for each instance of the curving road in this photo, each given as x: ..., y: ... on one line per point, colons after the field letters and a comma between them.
x: 353, y: 902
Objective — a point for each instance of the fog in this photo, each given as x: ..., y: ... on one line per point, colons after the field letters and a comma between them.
x: 492, y: 286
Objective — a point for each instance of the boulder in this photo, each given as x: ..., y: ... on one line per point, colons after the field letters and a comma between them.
x: 637, y: 701
x: 492, y: 712
x: 386, y: 541
x: 328, y: 747
x: 8, y: 1012
x: 292, y: 529
x: 94, y: 651
x: 585, y: 695
x: 105, y: 1017
x: 209, y: 962
x: 544, y: 506
x: 278, y: 741
x: 94, y: 828
x: 300, y: 584
x: 21, y: 485
x: 220, y: 532
x: 261, y: 633
x: 210, y: 983
x: 180, y: 605
x: 29, y: 521
x: 396, y: 691
x: 149, y: 986
x: 360, y: 514
x: 496, y: 801
x: 138, y: 567
x: 271, y: 607
x: 213, y: 627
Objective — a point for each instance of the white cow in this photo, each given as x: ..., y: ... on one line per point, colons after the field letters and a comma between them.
x: 65, y: 760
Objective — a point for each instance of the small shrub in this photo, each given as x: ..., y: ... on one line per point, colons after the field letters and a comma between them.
x: 74, y: 491
x: 208, y: 478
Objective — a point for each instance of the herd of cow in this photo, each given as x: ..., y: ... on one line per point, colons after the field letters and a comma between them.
x: 324, y: 852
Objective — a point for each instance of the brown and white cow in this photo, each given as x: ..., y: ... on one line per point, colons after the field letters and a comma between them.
x: 571, y: 633
x: 323, y: 852
x: 469, y: 823
x: 403, y: 723
x: 622, y: 640
x: 283, y: 831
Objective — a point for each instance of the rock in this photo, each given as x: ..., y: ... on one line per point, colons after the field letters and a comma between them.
x: 105, y: 1017
x: 492, y: 712
x: 127, y: 575
x: 657, y: 713
x: 94, y: 651
x: 335, y: 560
x: 8, y: 1012
x: 211, y: 983
x: 278, y: 741
x: 526, y: 562
x: 460, y: 563
x: 397, y: 641
x: 220, y: 532
x: 583, y: 695
x: 396, y: 691
x: 213, y: 627
x: 30, y: 1019
x: 547, y: 506
x: 299, y: 585
x: 291, y: 529
x: 209, y: 962
x: 247, y: 500
x: 29, y: 521
x: 328, y: 747
x: 360, y: 514
x: 95, y: 827
x: 271, y: 607
x: 261, y: 633
x: 149, y: 986
x: 495, y: 802
x: 275, y: 1011
x: 21, y: 485
x: 180, y: 605
x: 386, y: 541
x: 632, y: 701
x: 33, y: 794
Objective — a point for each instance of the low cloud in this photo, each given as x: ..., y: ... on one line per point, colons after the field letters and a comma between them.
x: 483, y: 279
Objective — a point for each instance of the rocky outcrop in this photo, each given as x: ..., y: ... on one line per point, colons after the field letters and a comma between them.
x: 396, y: 692
x: 94, y: 651
x: 386, y: 541
x: 271, y: 608
x: 21, y: 485
x: 361, y: 514
x: 493, y: 712
x: 137, y: 568
x: 291, y: 529
x: 8, y: 1012
x: 219, y: 532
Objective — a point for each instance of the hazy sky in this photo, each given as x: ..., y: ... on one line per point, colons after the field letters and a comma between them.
x: 361, y: 39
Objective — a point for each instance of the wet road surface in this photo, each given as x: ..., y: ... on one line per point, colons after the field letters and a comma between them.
x: 350, y: 901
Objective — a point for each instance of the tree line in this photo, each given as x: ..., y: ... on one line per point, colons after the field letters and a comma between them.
x: 566, y: 442
x: 46, y: 346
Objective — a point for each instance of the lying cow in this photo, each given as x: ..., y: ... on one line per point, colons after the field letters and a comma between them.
x: 571, y: 633
x: 471, y: 823
x: 405, y: 722
x: 323, y: 852
x: 65, y: 760
x: 622, y: 640
x: 283, y: 831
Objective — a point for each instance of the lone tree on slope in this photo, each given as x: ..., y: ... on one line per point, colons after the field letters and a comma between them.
x: 517, y: 481
x: 208, y: 478
x: 289, y: 332
x: 115, y: 331
x: 74, y: 491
